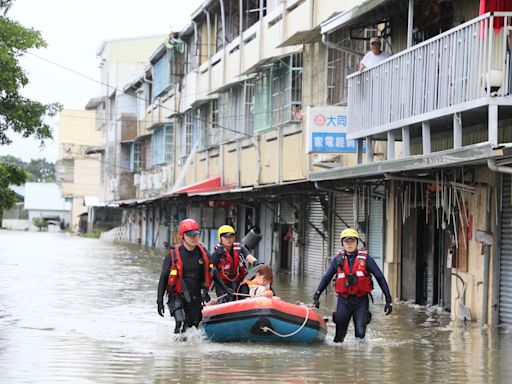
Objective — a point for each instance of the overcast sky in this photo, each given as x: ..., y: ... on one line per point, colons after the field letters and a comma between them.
x: 74, y: 30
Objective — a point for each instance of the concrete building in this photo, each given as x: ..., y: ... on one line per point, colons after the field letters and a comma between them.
x: 256, y: 114
x: 78, y: 174
x: 44, y: 200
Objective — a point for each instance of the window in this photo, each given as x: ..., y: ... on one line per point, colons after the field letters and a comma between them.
x: 236, y: 108
x: 135, y: 158
x: 207, y: 122
x: 186, y: 135
x: 340, y: 64
x: 162, y: 79
x: 161, y: 144
x: 278, y: 93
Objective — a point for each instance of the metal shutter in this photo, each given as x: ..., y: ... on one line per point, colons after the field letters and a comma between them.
x: 344, y: 208
x: 375, y: 236
x: 506, y: 253
x: 264, y: 248
x: 316, y: 247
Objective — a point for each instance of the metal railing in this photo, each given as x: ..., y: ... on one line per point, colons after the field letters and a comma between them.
x: 458, y: 66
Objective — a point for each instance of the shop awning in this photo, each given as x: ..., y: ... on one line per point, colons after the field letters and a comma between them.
x: 212, y: 184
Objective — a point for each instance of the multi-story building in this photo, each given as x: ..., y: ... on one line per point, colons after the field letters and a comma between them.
x: 78, y: 173
x: 256, y: 114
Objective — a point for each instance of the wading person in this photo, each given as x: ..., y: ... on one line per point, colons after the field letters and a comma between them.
x: 231, y: 261
x: 354, y: 269
x: 186, y: 276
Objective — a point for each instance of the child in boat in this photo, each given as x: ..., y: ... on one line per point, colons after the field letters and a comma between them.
x: 259, y: 285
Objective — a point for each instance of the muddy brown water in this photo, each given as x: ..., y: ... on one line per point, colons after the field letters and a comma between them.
x: 82, y: 310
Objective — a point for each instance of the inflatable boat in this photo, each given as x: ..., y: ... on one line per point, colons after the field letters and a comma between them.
x: 263, y: 319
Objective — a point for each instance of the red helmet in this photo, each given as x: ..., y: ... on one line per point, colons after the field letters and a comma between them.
x: 188, y: 225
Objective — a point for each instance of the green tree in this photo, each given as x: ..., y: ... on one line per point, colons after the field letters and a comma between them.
x: 39, y: 223
x: 9, y: 174
x: 17, y: 113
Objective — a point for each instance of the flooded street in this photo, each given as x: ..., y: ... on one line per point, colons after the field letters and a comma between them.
x: 82, y: 310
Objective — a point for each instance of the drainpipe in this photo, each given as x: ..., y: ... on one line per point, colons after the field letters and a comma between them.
x: 410, y: 23
x: 491, y: 163
x: 209, y: 48
x: 260, y: 32
x: 487, y: 254
x: 283, y: 12
x: 196, y: 41
x: 240, y: 32
x: 223, y: 21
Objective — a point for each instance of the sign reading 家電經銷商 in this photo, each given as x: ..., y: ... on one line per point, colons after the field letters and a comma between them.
x: 326, y: 129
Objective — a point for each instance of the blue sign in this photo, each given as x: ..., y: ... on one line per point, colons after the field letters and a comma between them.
x: 333, y: 142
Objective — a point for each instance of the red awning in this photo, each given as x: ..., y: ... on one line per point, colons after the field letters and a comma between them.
x: 211, y: 184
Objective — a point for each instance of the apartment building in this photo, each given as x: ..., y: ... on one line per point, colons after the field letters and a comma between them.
x: 256, y: 114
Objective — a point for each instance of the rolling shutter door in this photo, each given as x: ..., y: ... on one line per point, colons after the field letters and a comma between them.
x: 375, y: 236
x: 344, y: 208
x: 316, y: 247
x: 287, y: 216
x: 264, y: 248
x: 506, y: 253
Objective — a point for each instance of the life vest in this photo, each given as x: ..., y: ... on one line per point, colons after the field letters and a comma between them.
x: 255, y: 289
x: 364, y: 279
x: 232, y: 270
x: 174, y: 282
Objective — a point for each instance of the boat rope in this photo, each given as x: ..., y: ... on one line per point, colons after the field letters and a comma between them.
x: 267, y: 329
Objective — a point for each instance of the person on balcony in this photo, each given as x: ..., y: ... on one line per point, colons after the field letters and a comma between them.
x: 374, y: 56
x: 186, y: 276
x: 231, y: 260
x: 353, y: 283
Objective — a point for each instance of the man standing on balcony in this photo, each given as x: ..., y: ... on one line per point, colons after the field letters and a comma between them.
x: 374, y: 56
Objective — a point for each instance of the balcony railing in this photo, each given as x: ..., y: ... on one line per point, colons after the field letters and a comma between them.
x: 460, y: 67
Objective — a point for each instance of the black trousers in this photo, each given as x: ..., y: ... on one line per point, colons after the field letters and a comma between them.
x: 347, y: 308
x: 185, y: 314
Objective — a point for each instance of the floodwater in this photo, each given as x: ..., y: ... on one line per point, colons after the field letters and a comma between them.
x: 82, y: 310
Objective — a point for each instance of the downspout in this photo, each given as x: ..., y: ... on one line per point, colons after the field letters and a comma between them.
x: 410, y: 23
x: 487, y: 254
x: 223, y: 21
x: 260, y: 32
x: 240, y: 33
x: 196, y: 42
x: 283, y: 29
x: 209, y: 49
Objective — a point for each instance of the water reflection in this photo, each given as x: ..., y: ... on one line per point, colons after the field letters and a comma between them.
x: 75, y: 309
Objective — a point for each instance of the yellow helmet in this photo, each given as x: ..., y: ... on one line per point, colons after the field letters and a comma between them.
x: 349, y: 232
x: 225, y: 229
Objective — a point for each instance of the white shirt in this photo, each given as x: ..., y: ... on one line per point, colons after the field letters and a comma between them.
x: 370, y: 59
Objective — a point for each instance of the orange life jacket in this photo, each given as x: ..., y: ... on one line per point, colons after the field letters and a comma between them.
x: 252, y: 283
x: 364, y: 279
x: 232, y: 268
x: 174, y: 282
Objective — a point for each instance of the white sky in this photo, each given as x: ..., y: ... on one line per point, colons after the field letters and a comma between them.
x: 74, y: 30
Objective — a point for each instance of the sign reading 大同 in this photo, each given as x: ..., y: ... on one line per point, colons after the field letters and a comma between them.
x: 327, y: 130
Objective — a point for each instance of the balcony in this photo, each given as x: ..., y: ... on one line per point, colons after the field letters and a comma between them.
x: 464, y: 71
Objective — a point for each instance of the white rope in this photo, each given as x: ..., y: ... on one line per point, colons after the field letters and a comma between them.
x: 267, y: 329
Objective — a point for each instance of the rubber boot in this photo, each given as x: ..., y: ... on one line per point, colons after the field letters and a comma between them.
x: 340, y: 335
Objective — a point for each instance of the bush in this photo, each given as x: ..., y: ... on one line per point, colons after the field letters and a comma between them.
x: 93, y: 234
x: 39, y: 223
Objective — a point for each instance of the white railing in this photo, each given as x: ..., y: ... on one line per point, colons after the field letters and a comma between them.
x: 452, y: 68
x: 121, y: 233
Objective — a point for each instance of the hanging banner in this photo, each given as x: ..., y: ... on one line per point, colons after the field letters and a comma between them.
x: 326, y: 131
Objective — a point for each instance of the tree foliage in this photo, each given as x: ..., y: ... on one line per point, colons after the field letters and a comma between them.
x: 38, y: 170
x: 9, y: 174
x: 17, y: 113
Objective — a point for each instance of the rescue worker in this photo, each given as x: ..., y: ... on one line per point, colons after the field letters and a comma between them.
x: 186, y: 276
x: 231, y: 261
x: 260, y: 285
x: 353, y: 283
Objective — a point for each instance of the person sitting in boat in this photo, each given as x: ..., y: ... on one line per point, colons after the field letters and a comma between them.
x: 231, y: 260
x: 259, y: 284
x: 186, y: 276
x: 354, y: 269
